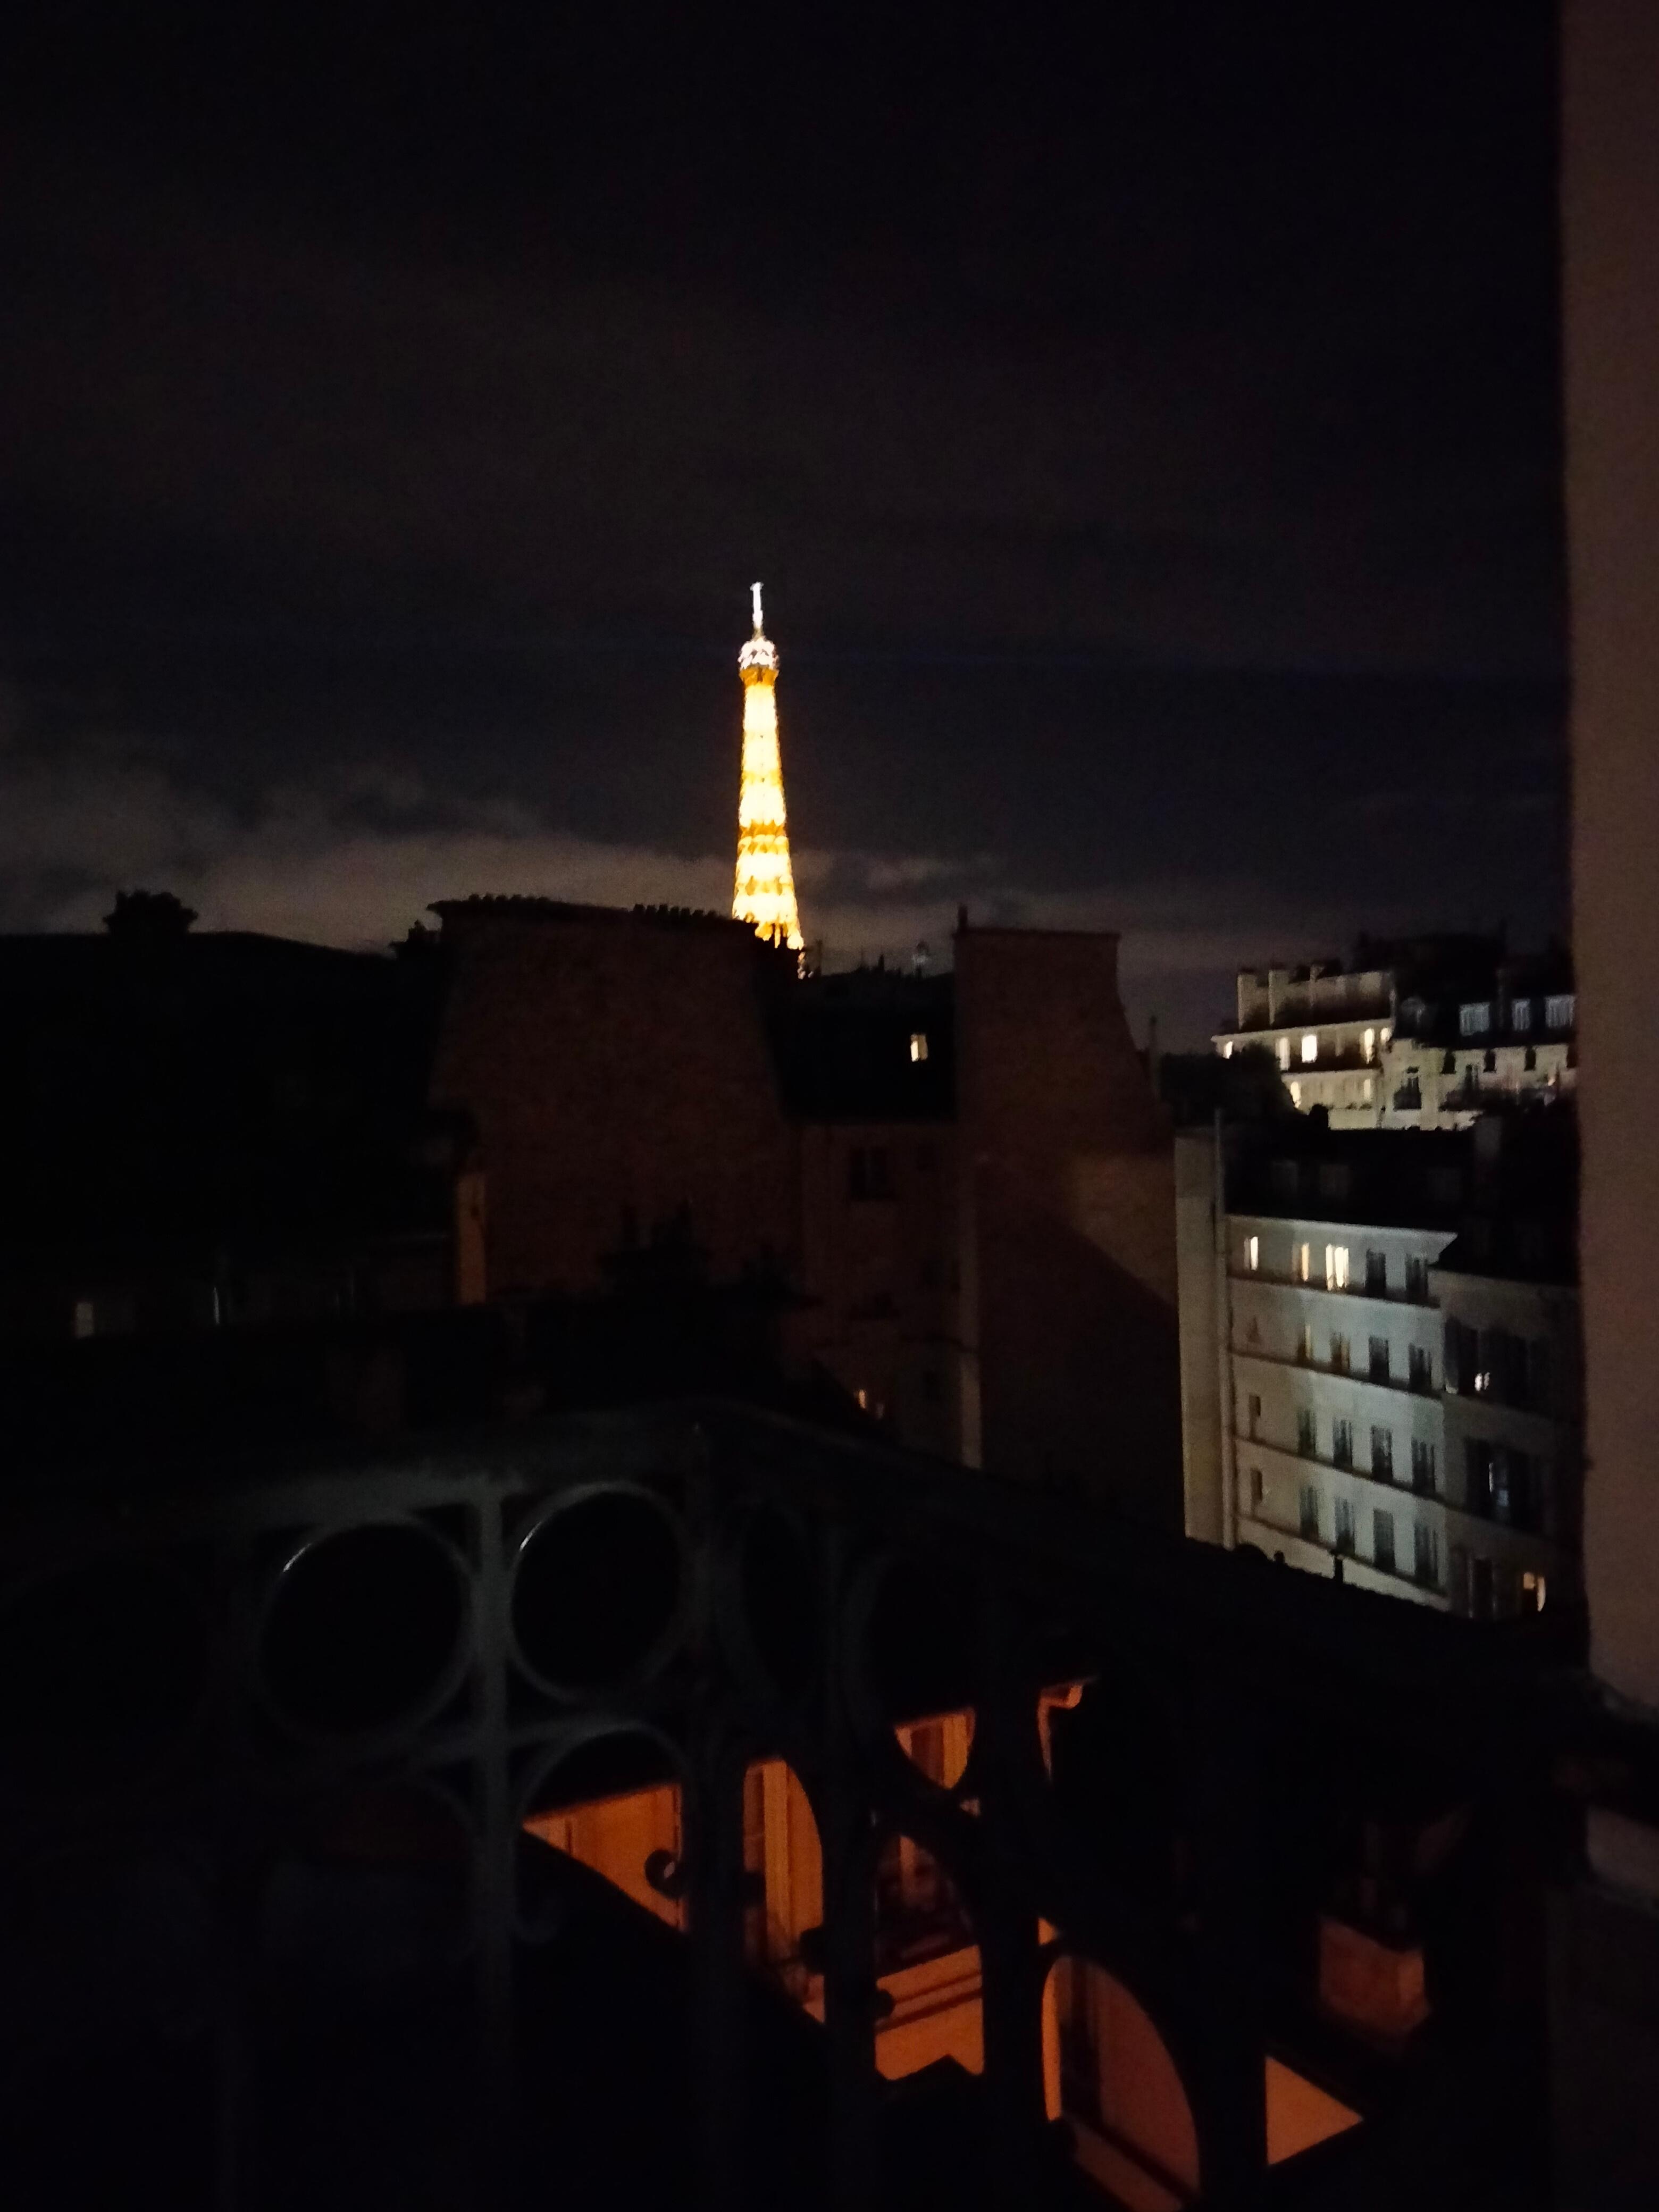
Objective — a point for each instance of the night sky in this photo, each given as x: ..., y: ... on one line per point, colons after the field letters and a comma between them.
x: 1144, y: 419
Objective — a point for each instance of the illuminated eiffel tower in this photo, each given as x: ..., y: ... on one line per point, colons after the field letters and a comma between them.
x: 765, y: 890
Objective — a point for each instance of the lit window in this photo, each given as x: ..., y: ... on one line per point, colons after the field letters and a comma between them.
x: 1305, y: 1261
x: 1371, y: 1044
x: 86, y: 1317
x: 1309, y: 1050
x: 1559, y: 1012
x: 918, y: 1044
x: 1521, y: 1014
x: 1336, y: 1266
x: 1296, y: 1093
x: 1252, y: 1253
x: 1283, y: 1052
x: 1367, y: 1091
x: 1532, y: 1592
x: 1227, y: 1049
x: 1475, y: 1020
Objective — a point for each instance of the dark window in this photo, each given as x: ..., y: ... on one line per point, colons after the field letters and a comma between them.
x: 1480, y: 1588
x: 1479, y: 1476
x: 1379, y: 1359
x: 1460, y: 1578
x: 930, y: 1386
x: 1344, y: 1525
x: 1382, y: 1455
x: 1382, y: 1542
x: 1515, y: 1487
x: 1420, y: 1368
x: 1256, y: 1485
x: 1308, y: 1518
x: 1491, y: 1061
x: 1283, y: 1174
x: 1462, y: 1358
x: 1306, y: 1441
x: 1422, y: 1467
x: 1342, y: 1443
x: 1416, y: 1280
x: 1503, y: 1362
x: 1448, y: 1064
x: 1255, y: 1414
x: 1408, y: 1097
x: 869, y: 1171
x: 1340, y: 1354
x: 1377, y: 1274
x: 1530, y: 1059
x: 1426, y: 1555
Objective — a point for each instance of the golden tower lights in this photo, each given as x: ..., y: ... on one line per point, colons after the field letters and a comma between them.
x: 764, y: 893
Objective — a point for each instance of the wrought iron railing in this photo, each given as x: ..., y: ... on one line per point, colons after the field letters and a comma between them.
x: 270, y: 1737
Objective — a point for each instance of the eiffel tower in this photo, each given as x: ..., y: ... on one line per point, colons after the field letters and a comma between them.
x: 764, y: 893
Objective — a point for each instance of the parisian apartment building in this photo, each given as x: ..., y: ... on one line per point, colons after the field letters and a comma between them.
x: 1423, y: 1034
x: 1380, y: 1365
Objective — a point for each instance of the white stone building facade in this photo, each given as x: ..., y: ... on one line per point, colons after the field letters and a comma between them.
x: 1321, y: 1425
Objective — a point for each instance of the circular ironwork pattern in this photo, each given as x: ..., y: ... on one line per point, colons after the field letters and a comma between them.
x: 363, y: 1633
x: 596, y: 1590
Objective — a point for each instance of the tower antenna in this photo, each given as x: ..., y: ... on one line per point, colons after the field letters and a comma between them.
x: 754, y: 594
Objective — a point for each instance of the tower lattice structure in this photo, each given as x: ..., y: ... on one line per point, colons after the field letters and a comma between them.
x: 764, y: 892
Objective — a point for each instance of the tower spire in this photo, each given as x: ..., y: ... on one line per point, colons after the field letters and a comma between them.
x: 764, y: 892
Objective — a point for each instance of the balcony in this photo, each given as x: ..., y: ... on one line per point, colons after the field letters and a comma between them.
x: 451, y: 1746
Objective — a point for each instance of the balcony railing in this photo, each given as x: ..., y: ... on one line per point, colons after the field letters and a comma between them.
x: 275, y: 1731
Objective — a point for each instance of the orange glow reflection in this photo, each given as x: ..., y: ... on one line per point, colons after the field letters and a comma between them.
x: 616, y: 1836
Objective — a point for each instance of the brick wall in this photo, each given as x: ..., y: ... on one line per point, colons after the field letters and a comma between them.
x: 617, y: 1068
